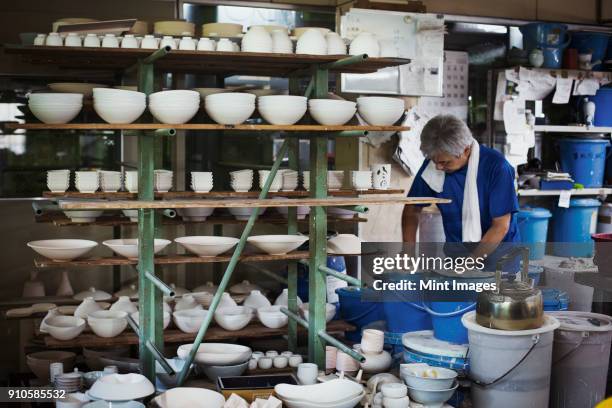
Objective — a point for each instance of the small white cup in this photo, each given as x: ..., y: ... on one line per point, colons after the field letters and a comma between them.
x: 129, y: 41
x: 307, y: 373
x: 265, y: 363
x: 295, y: 360
x: 280, y: 362
x: 167, y: 41
x: 73, y: 40
x: 110, y: 41
x: 111, y: 369
x: 91, y: 40
x: 257, y: 355
x: 40, y: 39
x: 252, y: 363
x: 286, y: 354
x: 187, y: 43
x: 149, y: 42
x: 271, y: 353
x: 381, y: 176
x: 54, y: 40
x: 55, y: 369
x: 206, y: 44
x: 225, y: 45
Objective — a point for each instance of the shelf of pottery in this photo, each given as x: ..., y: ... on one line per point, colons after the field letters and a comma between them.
x: 174, y: 109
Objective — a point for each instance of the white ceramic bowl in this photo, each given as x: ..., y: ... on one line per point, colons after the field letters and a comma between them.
x: 277, y: 244
x: 65, y: 327
x: 119, y: 113
x: 231, y: 98
x: 380, y: 111
x: 190, y: 320
x: 429, y: 378
x: 312, y: 41
x: 190, y: 397
x: 331, y: 112
x: 107, y: 323
x: 214, y: 372
x: 129, y: 247
x: 243, y: 213
x: 233, y: 318
x: 122, y: 387
x: 51, y: 99
x: 83, y: 216
x: 62, y: 249
x: 272, y: 317
x: 431, y: 397
x: 229, y: 114
x: 330, y: 311
x: 217, y: 353
x: 55, y: 114
x: 394, y: 390
x: 174, y: 115
x: 119, y: 94
x: 207, y: 245
x: 282, y: 109
x: 325, y: 393
x: 302, y: 211
x: 194, y: 214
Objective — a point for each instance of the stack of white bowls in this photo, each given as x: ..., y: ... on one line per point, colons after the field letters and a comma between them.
x: 335, y: 44
x: 331, y: 112
x: 282, y: 109
x: 86, y: 181
x: 281, y: 43
x: 312, y: 42
x: 257, y: 39
x: 162, y: 180
x: 201, y: 181
x: 230, y: 108
x: 306, y: 180
x: 131, y: 181
x: 175, y: 107
x: 346, y: 363
x: 55, y: 108
x: 119, y: 106
x: 361, y: 180
x: 395, y: 395
x: 380, y: 110
x: 69, y: 382
x: 110, y: 181
x: 277, y: 183
x: 290, y: 180
x: 241, y: 180
x: 58, y: 181
x: 335, y: 179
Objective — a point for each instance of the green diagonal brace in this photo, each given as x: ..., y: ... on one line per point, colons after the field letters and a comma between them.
x: 341, y: 276
x: 231, y: 266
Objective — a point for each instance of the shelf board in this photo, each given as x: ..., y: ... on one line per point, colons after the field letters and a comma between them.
x: 167, y: 260
x: 250, y: 203
x: 197, y: 62
x: 204, y: 126
x: 59, y: 220
x: 214, y: 333
x: 574, y: 192
x: 572, y: 129
x: 216, y: 194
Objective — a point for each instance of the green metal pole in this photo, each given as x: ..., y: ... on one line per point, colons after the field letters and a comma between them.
x: 231, y: 266
x: 357, y: 208
x: 318, y: 235
x: 161, y: 285
x: 341, y: 276
x: 295, y: 317
x: 150, y: 305
x: 353, y: 59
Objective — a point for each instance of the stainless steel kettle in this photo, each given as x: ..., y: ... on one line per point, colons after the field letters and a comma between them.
x: 512, y: 305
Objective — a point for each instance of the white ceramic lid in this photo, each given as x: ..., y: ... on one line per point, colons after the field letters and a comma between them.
x: 122, y: 387
x: 582, y: 321
x: 424, y: 342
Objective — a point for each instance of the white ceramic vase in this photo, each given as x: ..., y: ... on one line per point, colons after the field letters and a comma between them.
x: 64, y: 288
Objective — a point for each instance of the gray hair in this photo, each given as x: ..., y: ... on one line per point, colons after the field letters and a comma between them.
x: 445, y: 134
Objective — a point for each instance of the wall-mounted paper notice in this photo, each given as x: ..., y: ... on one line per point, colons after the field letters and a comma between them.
x: 563, y: 91
x: 564, y: 198
x: 515, y: 120
x: 587, y: 86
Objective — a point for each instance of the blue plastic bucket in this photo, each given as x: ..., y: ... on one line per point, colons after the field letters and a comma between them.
x: 533, y: 226
x: 555, y: 300
x: 573, y: 226
x: 446, y: 320
x: 588, y: 41
x: 584, y: 159
x: 551, y: 38
x: 404, y: 313
x: 356, y: 312
x: 603, y: 106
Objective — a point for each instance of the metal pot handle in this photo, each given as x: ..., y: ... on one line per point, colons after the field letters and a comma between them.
x: 524, y: 252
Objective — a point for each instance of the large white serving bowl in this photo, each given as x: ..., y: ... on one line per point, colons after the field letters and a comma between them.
x: 129, y: 247
x: 107, y: 323
x: 118, y: 95
x: 326, y: 393
x: 120, y: 112
x: 431, y: 397
x: 175, y: 95
x: 190, y: 397
x: 52, y: 99
x: 75, y: 87
x: 121, y: 387
x: 217, y: 354
x: 190, y: 320
x: 331, y: 112
x: 62, y: 249
x: 416, y: 377
x: 55, y: 114
x: 282, y: 109
x: 234, y: 317
x: 227, y: 114
x: 379, y: 110
x: 207, y: 245
x: 195, y: 214
x: 231, y: 98
x: 83, y: 216
x: 330, y: 311
x: 277, y: 244
x: 272, y: 317
x: 65, y: 327
x: 312, y: 41
x: 174, y: 115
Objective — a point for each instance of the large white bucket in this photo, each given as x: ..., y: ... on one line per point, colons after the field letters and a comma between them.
x: 580, y: 296
x: 510, y: 369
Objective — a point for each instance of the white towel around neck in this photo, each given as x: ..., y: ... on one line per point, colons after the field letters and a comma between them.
x: 471, y: 231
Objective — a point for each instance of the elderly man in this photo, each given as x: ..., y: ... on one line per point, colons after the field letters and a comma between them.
x: 478, y: 180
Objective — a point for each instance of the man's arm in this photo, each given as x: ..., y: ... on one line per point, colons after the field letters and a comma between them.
x: 491, y: 239
x: 410, y: 222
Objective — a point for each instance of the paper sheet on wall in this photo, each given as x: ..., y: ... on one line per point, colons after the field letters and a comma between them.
x: 408, y: 152
x: 515, y: 120
x: 535, y: 85
x: 564, y: 198
x: 563, y: 90
x: 500, y: 96
x: 586, y: 86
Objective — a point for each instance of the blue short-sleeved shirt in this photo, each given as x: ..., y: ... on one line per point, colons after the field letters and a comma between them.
x: 496, y: 193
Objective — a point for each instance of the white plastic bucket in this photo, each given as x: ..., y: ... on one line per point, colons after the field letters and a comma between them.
x: 510, y: 369
x: 581, y: 353
x: 580, y: 296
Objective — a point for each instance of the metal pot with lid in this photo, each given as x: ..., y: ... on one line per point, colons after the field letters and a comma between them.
x: 512, y: 305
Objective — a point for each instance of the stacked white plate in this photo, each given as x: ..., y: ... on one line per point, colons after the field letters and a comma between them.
x: 361, y: 180
x: 162, y: 180
x: 58, y: 181
x: 277, y: 182
x: 380, y: 110
x: 86, y: 181
x: 241, y: 180
x: 282, y: 109
x: 70, y: 382
x: 201, y: 181
x: 175, y: 107
x: 118, y: 105
x: 110, y: 181
x: 331, y: 112
x: 290, y: 180
x: 339, y: 393
x: 55, y: 107
x: 335, y: 179
x: 230, y: 108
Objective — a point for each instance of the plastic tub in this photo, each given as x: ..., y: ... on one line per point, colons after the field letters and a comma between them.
x: 356, y: 312
x: 573, y: 226
x: 603, y: 103
x: 525, y: 355
x: 580, y: 297
x: 552, y: 38
x: 423, y: 347
x: 533, y: 227
x: 593, y: 42
x: 405, y: 313
x: 581, y: 354
x: 584, y: 159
